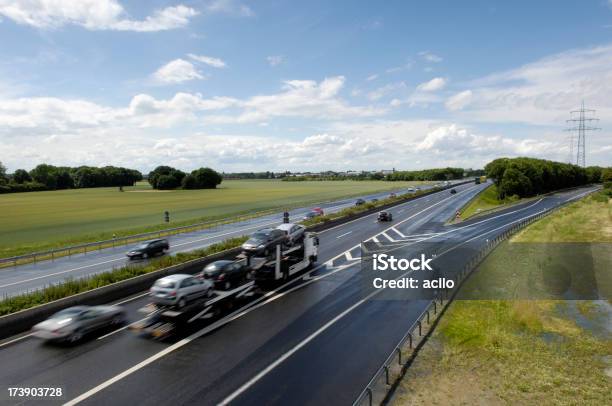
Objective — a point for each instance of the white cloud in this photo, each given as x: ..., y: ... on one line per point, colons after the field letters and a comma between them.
x: 459, y: 100
x: 92, y: 15
x: 383, y: 91
x: 542, y: 92
x: 430, y: 57
x: 208, y: 60
x: 400, y: 68
x: 177, y: 71
x: 229, y: 7
x: 275, y: 60
x: 372, y: 77
x: 433, y: 85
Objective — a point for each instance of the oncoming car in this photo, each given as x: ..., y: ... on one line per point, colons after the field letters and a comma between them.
x: 385, y: 216
x: 73, y: 323
x: 179, y: 289
x: 453, y: 191
x: 359, y: 202
x: 149, y: 249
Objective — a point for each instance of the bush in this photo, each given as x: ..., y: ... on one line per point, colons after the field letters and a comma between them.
x: 529, y: 176
x: 167, y: 182
x: 155, y: 177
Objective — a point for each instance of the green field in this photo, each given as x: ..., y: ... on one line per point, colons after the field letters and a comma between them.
x: 43, y: 220
x: 523, y: 352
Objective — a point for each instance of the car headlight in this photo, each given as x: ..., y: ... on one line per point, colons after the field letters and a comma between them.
x: 261, y: 246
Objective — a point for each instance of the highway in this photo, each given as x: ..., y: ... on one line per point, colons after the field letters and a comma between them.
x: 29, y: 277
x: 316, y: 340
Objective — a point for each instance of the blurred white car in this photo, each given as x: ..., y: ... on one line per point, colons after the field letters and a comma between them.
x: 179, y: 289
x: 294, y: 232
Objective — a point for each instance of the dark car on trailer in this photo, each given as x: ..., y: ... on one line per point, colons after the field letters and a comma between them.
x: 225, y: 274
x: 264, y: 241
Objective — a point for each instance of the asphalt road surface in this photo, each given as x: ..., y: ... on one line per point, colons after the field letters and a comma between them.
x: 30, y: 277
x: 316, y: 340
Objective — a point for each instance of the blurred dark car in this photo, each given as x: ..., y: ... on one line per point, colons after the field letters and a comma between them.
x: 359, y: 202
x: 149, y: 249
x: 73, y: 323
x: 453, y: 191
x: 385, y: 216
x: 225, y: 274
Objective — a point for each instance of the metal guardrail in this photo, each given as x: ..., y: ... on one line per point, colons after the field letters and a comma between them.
x: 392, y: 369
x: 123, y: 241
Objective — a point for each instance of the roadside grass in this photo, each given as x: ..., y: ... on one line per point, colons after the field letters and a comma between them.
x: 40, y: 221
x: 487, y: 200
x: 74, y: 286
x: 550, y: 352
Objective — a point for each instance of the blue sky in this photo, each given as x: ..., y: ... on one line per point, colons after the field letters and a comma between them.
x: 312, y: 85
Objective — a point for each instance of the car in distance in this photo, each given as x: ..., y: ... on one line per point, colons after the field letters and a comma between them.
x: 374, y: 200
x: 179, y: 289
x: 310, y: 215
x: 73, y: 323
x: 149, y: 249
x: 293, y: 232
x: 264, y: 241
x: 359, y: 202
x: 225, y: 274
x: 392, y: 195
x: 453, y: 191
x: 385, y: 216
x: 411, y: 190
x: 318, y: 210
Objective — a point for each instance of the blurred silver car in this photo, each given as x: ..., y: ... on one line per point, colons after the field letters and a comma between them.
x: 179, y: 289
x: 73, y: 323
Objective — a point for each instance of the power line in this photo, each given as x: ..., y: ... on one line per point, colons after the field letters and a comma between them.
x: 580, y: 123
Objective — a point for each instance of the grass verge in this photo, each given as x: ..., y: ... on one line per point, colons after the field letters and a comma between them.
x: 551, y: 352
x: 485, y: 201
x: 74, y: 286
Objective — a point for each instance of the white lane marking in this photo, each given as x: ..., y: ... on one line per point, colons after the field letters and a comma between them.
x: 120, y: 329
x: 14, y: 340
x: 238, y: 313
x: 400, y: 211
x: 387, y: 236
x: 59, y: 273
x: 342, y: 235
x: 348, y: 256
x: 398, y: 232
x: 375, y: 239
x: 295, y: 349
x: 132, y: 298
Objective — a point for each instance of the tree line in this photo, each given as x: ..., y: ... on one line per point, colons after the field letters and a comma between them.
x: 168, y: 178
x: 427, y: 174
x: 49, y: 177
x: 524, y: 177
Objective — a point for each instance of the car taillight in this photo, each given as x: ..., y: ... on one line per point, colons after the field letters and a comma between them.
x: 172, y: 293
x: 221, y: 277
